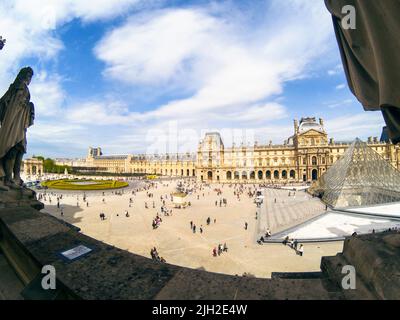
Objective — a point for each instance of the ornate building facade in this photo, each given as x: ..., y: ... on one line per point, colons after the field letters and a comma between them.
x: 303, y: 157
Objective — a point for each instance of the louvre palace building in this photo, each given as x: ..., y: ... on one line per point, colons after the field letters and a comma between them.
x: 303, y: 157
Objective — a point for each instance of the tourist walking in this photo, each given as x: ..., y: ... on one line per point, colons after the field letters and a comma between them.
x: 301, y: 250
x: 215, y: 252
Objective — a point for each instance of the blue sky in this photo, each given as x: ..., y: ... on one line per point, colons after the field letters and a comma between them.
x: 136, y: 76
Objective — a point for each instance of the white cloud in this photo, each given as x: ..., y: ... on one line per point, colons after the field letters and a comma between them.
x: 229, y: 69
x: 336, y: 70
x: 341, y: 86
x: 29, y: 27
x: 349, y: 126
x: 340, y: 104
x: 48, y: 94
x: 223, y: 63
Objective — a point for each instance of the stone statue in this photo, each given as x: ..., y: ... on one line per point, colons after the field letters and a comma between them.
x: 2, y: 42
x: 16, y: 115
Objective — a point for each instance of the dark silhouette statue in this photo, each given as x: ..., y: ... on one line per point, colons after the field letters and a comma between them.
x: 2, y: 42
x: 16, y: 115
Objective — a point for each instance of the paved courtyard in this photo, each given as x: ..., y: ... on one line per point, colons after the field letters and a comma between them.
x: 175, y: 240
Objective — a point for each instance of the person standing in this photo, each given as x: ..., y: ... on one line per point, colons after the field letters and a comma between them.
x: 225, y: 247
x: 295, y: 244
x: 301, y: 250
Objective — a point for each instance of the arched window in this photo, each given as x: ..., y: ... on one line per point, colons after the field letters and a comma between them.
x: 292, y: 174
x: 244, y: 175
x: 237, y: 175
x: 229, y: 175
x: 314, y: 174
x: 284, y: 174
x: 276, y: 174
x: 260, y: 175
x: 252, y: 175
x: 268, y: 175
x: 314, y: 161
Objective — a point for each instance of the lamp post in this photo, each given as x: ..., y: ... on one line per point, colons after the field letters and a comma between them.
x: 2, y: 42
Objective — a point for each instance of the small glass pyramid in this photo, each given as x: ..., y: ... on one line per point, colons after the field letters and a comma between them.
x: 360, y: 178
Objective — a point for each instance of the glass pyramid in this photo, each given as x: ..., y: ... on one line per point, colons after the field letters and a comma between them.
x: 360, y: 178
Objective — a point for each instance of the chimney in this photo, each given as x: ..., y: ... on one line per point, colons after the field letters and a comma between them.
x: 331, y: 141
x: 369, y: 140
x: 321, y: 122
x: 375, y: 139
x: 296, y: 127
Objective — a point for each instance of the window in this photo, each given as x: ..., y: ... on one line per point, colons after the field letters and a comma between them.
x: 314, y: 161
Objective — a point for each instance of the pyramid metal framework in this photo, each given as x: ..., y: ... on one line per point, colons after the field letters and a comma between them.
x: 360, y: 178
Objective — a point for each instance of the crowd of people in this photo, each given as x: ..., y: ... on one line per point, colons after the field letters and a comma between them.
x: 294, y: 244
x: 266, y: 236
x: 155, y: 256
x: 163, y: 204
x: 218, y: 250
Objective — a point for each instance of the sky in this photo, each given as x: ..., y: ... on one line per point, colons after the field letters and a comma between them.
x: 153, y: 76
